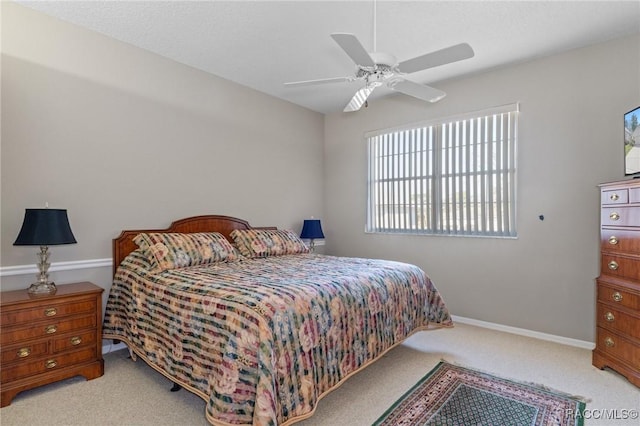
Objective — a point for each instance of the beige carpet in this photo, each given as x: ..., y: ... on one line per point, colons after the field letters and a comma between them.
x: 130, y: 393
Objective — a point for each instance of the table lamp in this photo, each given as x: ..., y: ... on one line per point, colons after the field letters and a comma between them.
x: 311, y: 230
x: 44, y: 227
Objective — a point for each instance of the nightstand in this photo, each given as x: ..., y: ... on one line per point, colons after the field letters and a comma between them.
x: 45, y: 339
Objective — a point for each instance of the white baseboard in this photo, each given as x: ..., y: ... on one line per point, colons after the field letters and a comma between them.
x: 583, y: 344
x: 56, y: 266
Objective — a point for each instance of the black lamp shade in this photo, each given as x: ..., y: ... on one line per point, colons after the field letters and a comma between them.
x: 45, y: 227
x: 311, y: 229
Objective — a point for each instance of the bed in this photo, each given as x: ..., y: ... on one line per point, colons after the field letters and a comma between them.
x: 258, y: 327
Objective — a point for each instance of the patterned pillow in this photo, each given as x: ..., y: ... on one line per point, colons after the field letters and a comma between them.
x: 267, y: 242
x: 174, y: 250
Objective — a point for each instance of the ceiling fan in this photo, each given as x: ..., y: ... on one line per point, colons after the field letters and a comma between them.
x: 376, y: 68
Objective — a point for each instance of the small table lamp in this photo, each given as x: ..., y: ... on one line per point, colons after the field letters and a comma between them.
x: 44, y: 227
x: 311, y: 230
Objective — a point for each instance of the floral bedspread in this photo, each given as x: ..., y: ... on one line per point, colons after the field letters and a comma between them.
x: 262, y: 340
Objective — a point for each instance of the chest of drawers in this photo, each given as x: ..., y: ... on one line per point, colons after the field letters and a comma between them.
x: 44, y: 339
x: 618, y: 286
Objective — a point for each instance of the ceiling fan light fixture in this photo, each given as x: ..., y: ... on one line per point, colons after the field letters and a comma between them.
x: 382, y: 58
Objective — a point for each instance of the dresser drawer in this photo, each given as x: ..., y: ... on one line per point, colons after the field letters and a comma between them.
x: 46, y: 364
x: 615, y: 196
x: 620, y: 322
x: 617, y: 296
x: 620, y: 216
x: 621, y: 240
x: 47, y: 310
x: 614, y: 345
x: 618, y: 266
x: 634, y: 195
x: 46, y: 328
x: 25, y: 351
x: 74, y: 340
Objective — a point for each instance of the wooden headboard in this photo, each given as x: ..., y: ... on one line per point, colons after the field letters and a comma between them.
x: 123, y: 245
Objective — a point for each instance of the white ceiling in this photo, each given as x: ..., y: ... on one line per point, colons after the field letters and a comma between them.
x: 263, y: 44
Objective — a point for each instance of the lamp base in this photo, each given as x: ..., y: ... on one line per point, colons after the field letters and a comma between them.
x: 42, y: 288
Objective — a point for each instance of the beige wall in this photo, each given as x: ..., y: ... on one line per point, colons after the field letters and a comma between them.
x: 570, y: 140
x: 125, y: 139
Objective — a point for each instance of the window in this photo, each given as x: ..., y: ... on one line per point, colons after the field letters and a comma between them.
x: 453, y: 177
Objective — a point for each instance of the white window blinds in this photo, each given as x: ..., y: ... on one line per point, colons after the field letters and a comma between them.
x: 455, y: 177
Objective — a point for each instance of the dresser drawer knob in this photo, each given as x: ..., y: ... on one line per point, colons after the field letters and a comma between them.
x: 49, y: 312
x: 609, y: 342
x: 50, y: 329
x: 613, y: 240
x: 52, y: 363
x: 23, y: 352
x: 614, y: 216
x: 617, y: 297
x: 614, y: 197
x: 76, y: 340
x: 613, y: 265
x: 609, y: 317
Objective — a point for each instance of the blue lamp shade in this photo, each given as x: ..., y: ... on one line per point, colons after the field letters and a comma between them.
x: 45, y: 227
x: 311, y: 229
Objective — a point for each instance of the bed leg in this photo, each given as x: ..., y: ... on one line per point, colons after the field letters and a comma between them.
x: 176, y: 387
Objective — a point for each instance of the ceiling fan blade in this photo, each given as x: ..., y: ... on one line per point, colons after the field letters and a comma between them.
x: 352, y: 47
x: 319, y: 81
x: 360, y: 97
x: 420, y: 91
x: 439, y: 57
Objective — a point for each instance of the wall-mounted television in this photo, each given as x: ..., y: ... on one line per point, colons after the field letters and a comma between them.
x: 632, y: 142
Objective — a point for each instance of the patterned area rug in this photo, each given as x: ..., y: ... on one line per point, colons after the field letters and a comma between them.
x: 452, y: 395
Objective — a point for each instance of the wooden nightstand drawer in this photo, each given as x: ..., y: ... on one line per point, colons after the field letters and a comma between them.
x: 28, y: 350
x: 74, y: 340
x: 46, y: 364
x: 47, y: 311
x: 614, y: 345
x: 618, y: 321
x: 43, y: 329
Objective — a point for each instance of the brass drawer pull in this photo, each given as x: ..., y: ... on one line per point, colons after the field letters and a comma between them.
x: 617, y: 297
x: 76, y: 340
x: 613, y: 265
x: 613, y: 240
x: 50, y: 329
x: 52, y: 363
x: 23, y: 352
x: 609, y: 342
x: 49, y: 312
x: 614, y: 216
x: 609, y: 317
x: 614, y: 197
